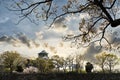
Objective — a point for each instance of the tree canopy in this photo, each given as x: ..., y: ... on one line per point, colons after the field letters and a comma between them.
x: 9, y: 59
x: 107, y: 61
x: 102, y: 14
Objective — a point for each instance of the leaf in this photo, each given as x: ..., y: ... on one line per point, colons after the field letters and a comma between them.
x: 83, y: 21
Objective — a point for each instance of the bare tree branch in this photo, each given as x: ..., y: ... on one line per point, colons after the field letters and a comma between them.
x: 103, y: 34
x: 111, y: 5
x: 32, y: 5
x: 69, y: 12
x: 98, y: 12
x: 48, y: 11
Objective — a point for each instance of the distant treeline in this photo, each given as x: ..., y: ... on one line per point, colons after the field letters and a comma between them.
x: 12, y: 61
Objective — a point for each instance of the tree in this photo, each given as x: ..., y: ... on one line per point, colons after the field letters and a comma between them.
x: 107, y: 60
x: 70, y: 60
x: 57, y: 61
x: 101, y: 58
x: 28, y: 63
x: 102, y: 14
x: 65, y: 64
x: 88, y: 67
x: 8, y: 58
x: 111, y: 61
x: 19, y: 69
x: 20, y: 61
x: 50, y: 65
x: 44, y: 65
x: 79, y: 62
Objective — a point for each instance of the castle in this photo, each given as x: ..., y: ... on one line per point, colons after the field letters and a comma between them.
x: 43, y: 54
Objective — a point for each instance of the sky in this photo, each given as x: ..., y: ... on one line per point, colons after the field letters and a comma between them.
x: 29, y: 39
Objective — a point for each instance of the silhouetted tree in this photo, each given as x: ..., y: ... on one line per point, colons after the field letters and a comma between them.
x: 88, y: 67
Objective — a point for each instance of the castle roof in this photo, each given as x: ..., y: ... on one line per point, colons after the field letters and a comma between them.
x: 43, y: 52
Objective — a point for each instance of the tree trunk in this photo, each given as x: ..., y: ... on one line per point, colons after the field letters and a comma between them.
x: 110, y: 68
x: 58, y: 69
x: 103, y: 69
x: 11, y: 69
x: 64, y: 70
x: 69, y: 68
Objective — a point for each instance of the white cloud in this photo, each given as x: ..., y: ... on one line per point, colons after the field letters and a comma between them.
x: 48, y: 34
x: 77, y: 17
x: 39, y: 35
x: 84, y: 15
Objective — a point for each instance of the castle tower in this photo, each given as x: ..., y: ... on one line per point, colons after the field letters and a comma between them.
x: 43, y: 54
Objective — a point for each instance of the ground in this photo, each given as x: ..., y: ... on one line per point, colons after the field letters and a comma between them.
x: 60, y: 76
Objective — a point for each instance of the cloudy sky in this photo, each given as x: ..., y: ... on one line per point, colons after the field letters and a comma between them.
x: 29, y: 39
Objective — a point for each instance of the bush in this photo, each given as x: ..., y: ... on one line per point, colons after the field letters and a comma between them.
x: 19, y: 69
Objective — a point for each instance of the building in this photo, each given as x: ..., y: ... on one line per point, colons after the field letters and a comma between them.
x: 43, y: 54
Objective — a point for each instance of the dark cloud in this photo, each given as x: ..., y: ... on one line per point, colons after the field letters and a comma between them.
x: 5, y: 38
x: 115, y: 39
x: 92, y: 50
x: 19, y: 39
x: 59, y: 25
x: 24, y: 39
